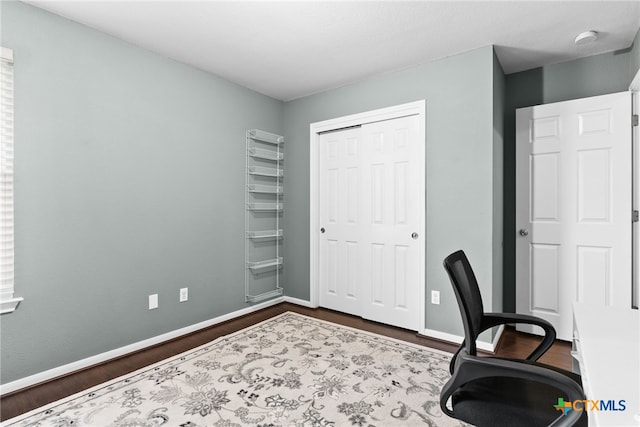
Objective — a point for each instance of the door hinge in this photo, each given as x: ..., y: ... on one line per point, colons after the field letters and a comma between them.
x: 634, y: 120
x: 636, y: 216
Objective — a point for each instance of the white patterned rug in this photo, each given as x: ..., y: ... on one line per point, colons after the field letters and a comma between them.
x: 291, y: 370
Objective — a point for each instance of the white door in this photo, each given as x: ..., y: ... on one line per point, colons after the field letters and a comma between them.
x: 341, y: 218
x: 573, y: 207
x: 370, y: 261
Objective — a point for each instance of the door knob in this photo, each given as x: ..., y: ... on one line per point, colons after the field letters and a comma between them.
x: 322, y: 230
x: 414, y: 235
x: 523, y: 232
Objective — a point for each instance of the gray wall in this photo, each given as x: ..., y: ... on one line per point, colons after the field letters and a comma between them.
x: 499, y: 88
x: 459, y: 168
x: 130, y: 178
x: 595, y: 75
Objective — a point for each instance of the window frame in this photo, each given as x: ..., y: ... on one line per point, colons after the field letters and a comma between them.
x: 8, y: 301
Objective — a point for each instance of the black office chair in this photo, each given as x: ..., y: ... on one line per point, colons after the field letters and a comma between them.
x: 491, y: 391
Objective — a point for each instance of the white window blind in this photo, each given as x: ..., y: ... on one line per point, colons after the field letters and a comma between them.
x: 8, y: 302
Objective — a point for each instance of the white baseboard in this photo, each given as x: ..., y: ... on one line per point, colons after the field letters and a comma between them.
x: 140, y: 345
x: 103, y: 357
x: 301, y: 302
x: 457, y: 339
x: 496, y: 339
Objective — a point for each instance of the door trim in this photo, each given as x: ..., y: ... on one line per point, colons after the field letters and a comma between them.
x: 635, y: 198
x: 410, y: 109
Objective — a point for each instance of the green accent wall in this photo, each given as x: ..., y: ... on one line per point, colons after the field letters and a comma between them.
x: 129, y: 181
x: 462, y: 171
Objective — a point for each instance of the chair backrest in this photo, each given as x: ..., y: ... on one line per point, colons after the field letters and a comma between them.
x: 468, y: 295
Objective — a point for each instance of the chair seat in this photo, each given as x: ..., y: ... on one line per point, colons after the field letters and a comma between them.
x: 508, y: 402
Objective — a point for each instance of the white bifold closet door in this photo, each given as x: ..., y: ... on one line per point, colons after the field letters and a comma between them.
x: 370, y: 183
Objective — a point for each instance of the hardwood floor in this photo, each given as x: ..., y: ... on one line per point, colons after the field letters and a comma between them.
x: 512, y: 344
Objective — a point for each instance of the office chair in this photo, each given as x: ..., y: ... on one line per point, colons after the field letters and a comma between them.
x: 492, y: 391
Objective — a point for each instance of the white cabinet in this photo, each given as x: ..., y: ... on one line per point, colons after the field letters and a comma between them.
x: 606, y: 343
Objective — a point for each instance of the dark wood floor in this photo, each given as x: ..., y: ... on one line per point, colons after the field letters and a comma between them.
x: 512, y: 344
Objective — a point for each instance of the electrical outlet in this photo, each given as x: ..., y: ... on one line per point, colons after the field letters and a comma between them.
x: 153, y: 301
x: 184, y: 294
x: 435, y: 297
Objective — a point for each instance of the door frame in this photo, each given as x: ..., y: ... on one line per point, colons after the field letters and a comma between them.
x: 409, y: 109
x: 634, y: 88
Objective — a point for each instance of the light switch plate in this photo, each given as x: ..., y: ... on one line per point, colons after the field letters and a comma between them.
x: 153, y: 301
x: 435, y: 297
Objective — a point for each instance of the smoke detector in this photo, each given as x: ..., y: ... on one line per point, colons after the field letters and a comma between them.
x: 586, y: 37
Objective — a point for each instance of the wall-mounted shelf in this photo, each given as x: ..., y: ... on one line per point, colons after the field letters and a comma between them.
x: 264, y: 206
x: 268, y: 264
x: 264, y: 296
x: 266, y: 189
x: 262, y: 171
x: 259, y: 153
x: 262, y: 136
x: 265, y: 234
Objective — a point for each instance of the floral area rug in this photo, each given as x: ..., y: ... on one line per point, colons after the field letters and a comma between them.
x: 291, y: 370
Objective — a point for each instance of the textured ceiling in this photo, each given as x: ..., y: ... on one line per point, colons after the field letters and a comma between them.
x: 291, y: 49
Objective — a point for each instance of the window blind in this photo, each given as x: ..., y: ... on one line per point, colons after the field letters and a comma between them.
x: 8, y: 302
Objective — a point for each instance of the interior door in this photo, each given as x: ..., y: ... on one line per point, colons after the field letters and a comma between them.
x: 341, y: 217
x: 370, y: 261
x: 391, y: 275
x: 573, y: 207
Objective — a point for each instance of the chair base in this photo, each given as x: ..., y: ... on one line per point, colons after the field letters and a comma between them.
x: 508, y: 402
